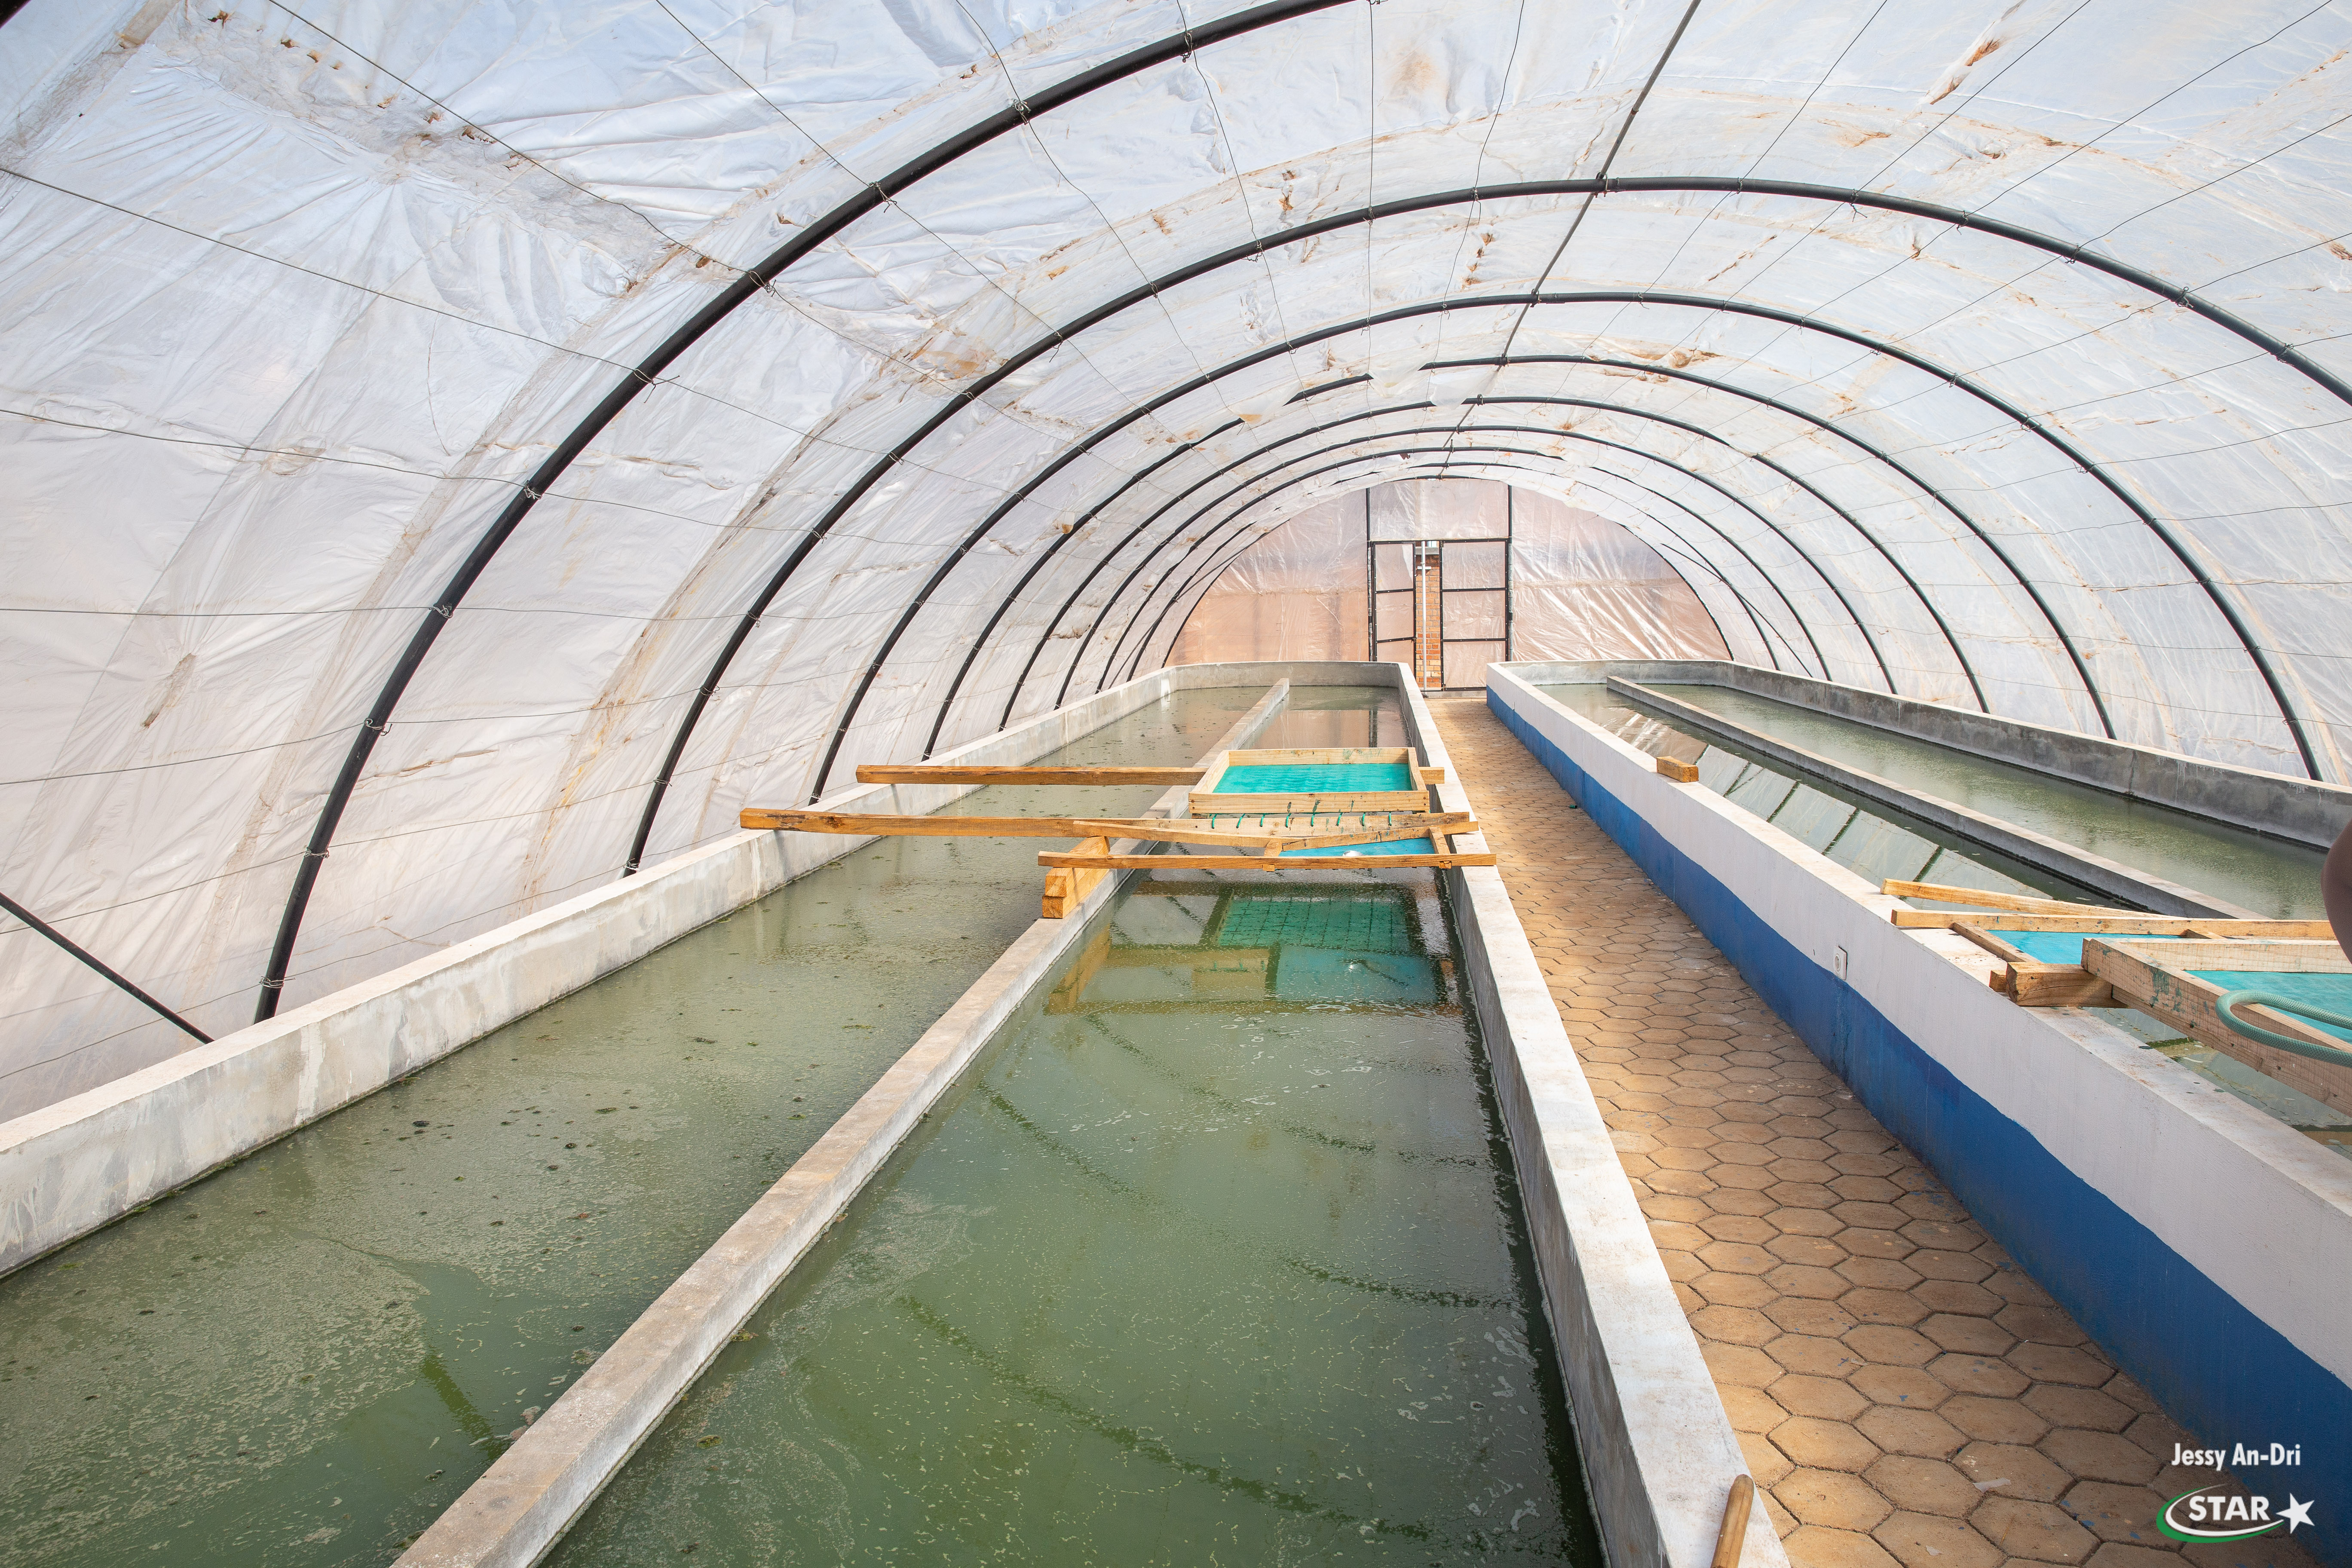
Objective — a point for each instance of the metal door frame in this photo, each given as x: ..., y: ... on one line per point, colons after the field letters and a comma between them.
x: 1372, y: 589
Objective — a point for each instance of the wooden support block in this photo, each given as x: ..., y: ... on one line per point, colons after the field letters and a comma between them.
x: 1067, y: 884
x: 1976, y: 898
x: 2032, y: 985
x: 1678, y: 770
x: 2154, y: 978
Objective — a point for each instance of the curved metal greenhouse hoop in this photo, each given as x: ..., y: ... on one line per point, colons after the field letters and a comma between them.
x: 1071, y: 89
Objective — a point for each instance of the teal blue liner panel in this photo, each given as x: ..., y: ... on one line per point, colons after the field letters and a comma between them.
x: 1314, y: 778
x: 2329, y: 992
x: 1395, y: 847
x: 2058, y: 946
x: 1354, y: 925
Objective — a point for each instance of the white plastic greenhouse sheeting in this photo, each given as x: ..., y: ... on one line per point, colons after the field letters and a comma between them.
x: 303, y: 308
x: 1581, y: 587
x: 1300, y: 588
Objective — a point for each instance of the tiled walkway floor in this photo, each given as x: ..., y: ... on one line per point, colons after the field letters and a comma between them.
x: 1905, y: 1392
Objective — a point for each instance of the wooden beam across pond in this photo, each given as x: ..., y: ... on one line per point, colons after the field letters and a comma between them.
x: 1156, y: 829
x: 957, y: 774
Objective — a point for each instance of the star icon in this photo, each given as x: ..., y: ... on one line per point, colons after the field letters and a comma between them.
x: 2297, y: 1513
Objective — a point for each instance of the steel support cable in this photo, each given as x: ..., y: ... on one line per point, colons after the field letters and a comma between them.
x: 642, y: 375
x: 1255, y: 247
x: 93, y: 961
x: 1539, y: 430
x: 2065, y: 641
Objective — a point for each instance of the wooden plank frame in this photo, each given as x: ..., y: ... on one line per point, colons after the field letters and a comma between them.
x: 1066, y: 886
x: 2154, y: 977
x: 1208, y: 801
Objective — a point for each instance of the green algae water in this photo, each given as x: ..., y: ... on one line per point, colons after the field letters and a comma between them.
x: 304, y: 1358
x: 1868, y: 839
x: 1214, y: 1257
x: 2268, y: 876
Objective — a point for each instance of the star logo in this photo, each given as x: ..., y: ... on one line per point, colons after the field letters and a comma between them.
x: 2296, y: 1512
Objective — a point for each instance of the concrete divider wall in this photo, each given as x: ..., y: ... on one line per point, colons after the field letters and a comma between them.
x: 2107, y: 877
x: 70, y: 1167
x: 2204, y: 1245
x: 1659, y: 1450
x: 2302, y: 810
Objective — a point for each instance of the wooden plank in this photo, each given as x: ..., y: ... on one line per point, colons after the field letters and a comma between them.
x: 1321, y: 756
x: 1418, y: 825
x: 889, y: 826
x: 2261, y: 957
x: 2152, y: 985
x: 1204, y: 804
x: 1993, y: 944
x: 1067, y: 886
x: 1977, y: 897
x: 2127, y: 925
x: 1677, y: 769
x: 1258, y: 863
x: 949, y: 772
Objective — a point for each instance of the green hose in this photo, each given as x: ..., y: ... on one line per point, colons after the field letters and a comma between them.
x: 2272, y: 1038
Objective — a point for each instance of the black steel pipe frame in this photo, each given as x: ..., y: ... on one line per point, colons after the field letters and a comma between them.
x: 1046, y: 636
x: 34, y: 923
x: 1143, y: 645
x: 2082, y: 668
x: 1691, y: 553
x: 1795, y: 615
x: 1070, y: 90
x: 1111, y: 660
x: 1966, y: 668
x: 1256, y: 248
x: 1608, y: 296
x: 642, y: 375
x: 1370, y: 646
x: 2289, y: 714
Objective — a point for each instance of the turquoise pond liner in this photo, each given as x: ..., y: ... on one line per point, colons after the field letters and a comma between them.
x: 2058, y: 946
x: 1314, y: 778
x: 2329, y: 992
x: 1393, y: 846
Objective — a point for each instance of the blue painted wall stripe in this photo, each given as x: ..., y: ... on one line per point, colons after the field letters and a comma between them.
x: 2211, y: 1363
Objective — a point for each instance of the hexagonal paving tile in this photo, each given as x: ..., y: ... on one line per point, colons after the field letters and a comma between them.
x: 1923, y: 1433
x: 1832, y: 1497
x: 2041, y: 1531
x: 1903, y: 1390
x: 1823, y: 1444
x: 1924, y: 1486
x: 1927, y: 1540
